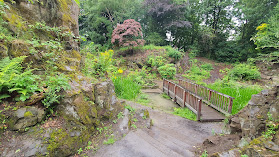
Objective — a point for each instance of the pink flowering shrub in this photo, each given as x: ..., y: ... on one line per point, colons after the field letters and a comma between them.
x: 128, y: 34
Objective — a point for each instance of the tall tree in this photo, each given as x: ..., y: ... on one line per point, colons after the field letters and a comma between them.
x: 99, y: 17
x: 252, y: 14
x: 216, y: 24
x: 163, y: 16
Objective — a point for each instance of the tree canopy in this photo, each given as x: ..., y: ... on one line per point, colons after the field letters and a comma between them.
x: 218, y: 29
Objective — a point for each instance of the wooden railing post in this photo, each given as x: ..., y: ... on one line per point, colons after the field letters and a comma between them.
x: 199, y: 109
x: 184, y: 98
x: 168, y: 88
x: 230, y: 105
x: 175, y: 93
x: 209, y: 97
x: 163, y: 85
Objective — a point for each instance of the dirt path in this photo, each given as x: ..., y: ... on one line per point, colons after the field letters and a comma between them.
x: 170, y: 136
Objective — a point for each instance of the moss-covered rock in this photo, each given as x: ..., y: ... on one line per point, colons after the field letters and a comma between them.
x: 25, y: 117
x: 3, y: 50
x: 63, y: 142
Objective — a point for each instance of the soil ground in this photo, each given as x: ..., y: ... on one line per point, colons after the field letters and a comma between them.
x: 170, y: 135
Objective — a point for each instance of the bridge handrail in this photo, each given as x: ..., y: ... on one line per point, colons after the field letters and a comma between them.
x: 183, y: 97
x: 215, y: 99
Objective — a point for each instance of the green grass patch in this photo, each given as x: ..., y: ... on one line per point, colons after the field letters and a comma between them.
x: 165, y: 96
x: 241, y: 92
x: 185, y: 113
x: 126, y: 87
x: 109, y: 141
x: 197, y: 74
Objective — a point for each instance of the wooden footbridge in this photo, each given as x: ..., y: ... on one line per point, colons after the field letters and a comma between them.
x: 207, y: 104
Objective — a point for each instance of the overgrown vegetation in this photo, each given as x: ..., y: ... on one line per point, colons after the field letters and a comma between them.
x: 244, y: 72
x: 198, y: 73
x: 15, y: 79
x: 167, y: 71
x: 126, y: 87
x: 241, y: 92
x: 185, y: 113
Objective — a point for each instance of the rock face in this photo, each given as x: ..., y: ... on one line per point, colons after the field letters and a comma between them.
x: 251, y: 121
x: 30, y: 26
x: 58, y: 13
x: 26, y: 117
x: 89, y: 103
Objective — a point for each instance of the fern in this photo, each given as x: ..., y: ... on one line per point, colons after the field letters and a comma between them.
x: 13, y: 78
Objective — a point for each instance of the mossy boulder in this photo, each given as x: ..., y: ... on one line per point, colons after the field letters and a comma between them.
x: 25, y: 117
x: 88, y: 102
x: 251, y: 121
x: 64, y: 142
x: 3, y: 50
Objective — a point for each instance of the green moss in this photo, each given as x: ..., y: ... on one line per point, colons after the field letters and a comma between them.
x: 62, y: 144
x: 256, y: 141
x: 146, y: 113
x: 28, y: 114
x: 64, y: 6
x: 87, y: 111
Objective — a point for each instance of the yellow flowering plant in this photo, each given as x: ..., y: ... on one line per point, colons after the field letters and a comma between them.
x: 99, y: 65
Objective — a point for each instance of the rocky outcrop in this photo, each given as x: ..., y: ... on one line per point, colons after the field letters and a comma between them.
x: 25, y: 117
x: 88, y: 103
x: 255, y: 129
x: 251, y: 121
x: 55, y: 13
x: 42, y: 30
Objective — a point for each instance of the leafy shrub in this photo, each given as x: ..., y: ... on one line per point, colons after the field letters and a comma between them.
x: 207, y: 66
x: 126, y: 87
x: 173, y: 53
x: 127, y: 34
x: 244, y: 72
x: 167, y: 71
x: 197, y: 74
x: 98, y: 65
x: 156, y: 61
x: 14, y: 78
x: 54, y: 84
x: 142, y: 77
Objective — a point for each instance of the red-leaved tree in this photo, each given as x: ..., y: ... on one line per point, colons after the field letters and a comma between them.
x: 128, y: 34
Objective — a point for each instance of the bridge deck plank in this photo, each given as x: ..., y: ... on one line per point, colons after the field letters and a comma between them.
x: 210, y: 114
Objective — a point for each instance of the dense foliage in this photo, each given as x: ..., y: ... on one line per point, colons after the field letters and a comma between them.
x: 220, y: 30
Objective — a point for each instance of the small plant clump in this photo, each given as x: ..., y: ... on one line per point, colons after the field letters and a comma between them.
x: 244, y: 72
x: 126, y: 87
x: 185, y: 113
x: 167, y: 71
x: 109, y: 141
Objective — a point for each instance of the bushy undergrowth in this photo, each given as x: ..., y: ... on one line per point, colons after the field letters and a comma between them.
x: 167, y: 71
x: 156, y: 61
x: 198, y: 73
x: 54, y: 84
x: 14, y: 78
x: 185, y: 113
x: 244, y: 72
x: 126, y: 87
x: 97, y: 65
x: 242, y: 93
x: 173, y: 53
x: 21, y: 82
x: 143, y: 77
